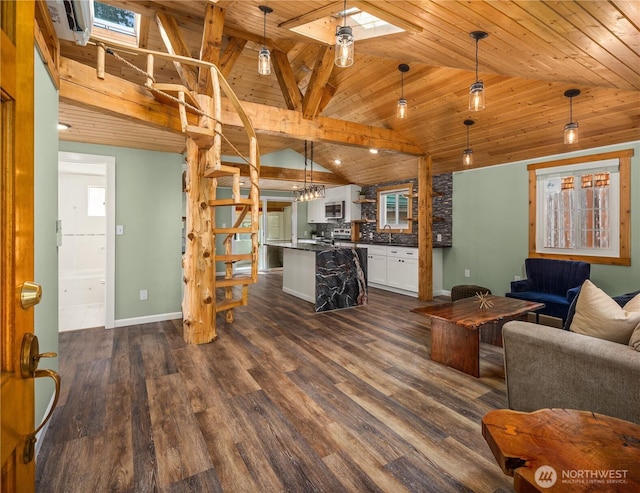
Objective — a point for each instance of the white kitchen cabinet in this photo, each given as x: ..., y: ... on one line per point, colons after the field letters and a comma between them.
x: 377, y: 268
x: 402, y: 268
x: 376, y: 264
x: 346, y: 194
x: 402, y: 273
x: 315, y: 211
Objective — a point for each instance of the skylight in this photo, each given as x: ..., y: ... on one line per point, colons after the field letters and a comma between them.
x: 114, y: 19
x: 364, y: 25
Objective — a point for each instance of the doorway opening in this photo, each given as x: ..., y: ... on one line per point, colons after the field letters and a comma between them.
x: 86, y: 243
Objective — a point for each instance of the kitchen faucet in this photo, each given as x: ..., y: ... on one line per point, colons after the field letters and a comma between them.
x: 385, y: 227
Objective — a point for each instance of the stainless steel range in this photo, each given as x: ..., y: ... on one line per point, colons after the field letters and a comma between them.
x: 342, y: 234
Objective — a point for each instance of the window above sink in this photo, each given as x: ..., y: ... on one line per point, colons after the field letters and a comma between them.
x: 394, y: 208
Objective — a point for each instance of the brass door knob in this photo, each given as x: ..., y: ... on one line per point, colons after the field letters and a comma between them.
x: 30, y: 294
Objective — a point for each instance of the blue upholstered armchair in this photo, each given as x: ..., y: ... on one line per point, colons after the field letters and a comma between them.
x: 552, y: 282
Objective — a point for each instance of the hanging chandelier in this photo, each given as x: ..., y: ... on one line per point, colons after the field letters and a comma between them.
x: 311, y: 191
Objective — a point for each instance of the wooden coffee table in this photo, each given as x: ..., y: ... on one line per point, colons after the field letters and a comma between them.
x: 456, y: 328
x: 563, y: 450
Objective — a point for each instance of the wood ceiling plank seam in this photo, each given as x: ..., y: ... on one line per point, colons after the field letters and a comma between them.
x: 606, y: 39
x: 571, y: 61
x: 493, y: 14
x: 446, y: 22
x: 609, y: 68
x: 619, y: 23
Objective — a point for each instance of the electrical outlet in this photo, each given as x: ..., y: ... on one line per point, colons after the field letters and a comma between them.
x: 467, y: 273
x: 516, y: 278
x: 438, y: 237
x: 143, y: 294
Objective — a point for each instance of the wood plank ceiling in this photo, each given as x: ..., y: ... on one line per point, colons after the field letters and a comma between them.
x: 535, y: 51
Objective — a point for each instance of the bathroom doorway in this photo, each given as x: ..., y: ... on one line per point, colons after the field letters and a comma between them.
x: 86, y: 212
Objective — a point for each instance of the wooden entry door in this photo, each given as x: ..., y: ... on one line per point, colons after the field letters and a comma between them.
x: 16, y: 235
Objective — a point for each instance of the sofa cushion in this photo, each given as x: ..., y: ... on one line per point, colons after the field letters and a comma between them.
x: 540, y: 297
x: 598, y: 315
x: 634, y: 342
x: 621, y: 299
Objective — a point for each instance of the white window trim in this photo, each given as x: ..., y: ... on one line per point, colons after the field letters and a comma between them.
x: 609, y: 165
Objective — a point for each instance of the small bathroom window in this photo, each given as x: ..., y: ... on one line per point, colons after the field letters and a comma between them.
x: 97, y: 201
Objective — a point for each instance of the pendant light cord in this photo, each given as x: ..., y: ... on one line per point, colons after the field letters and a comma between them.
x: 264, y: 32
x: 571, y: 109
x: 344, y: 13
x: 305, y: 165
x: 477, y: 40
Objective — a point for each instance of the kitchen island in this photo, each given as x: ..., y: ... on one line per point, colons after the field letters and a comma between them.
x: 331, y: 277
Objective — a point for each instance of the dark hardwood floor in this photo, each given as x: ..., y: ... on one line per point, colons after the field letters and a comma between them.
x: 284, y: 400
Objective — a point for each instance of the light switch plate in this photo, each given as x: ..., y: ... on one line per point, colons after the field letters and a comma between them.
x: 119, y: 229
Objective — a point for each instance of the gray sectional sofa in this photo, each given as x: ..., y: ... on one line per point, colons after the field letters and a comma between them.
x: 546, y: 367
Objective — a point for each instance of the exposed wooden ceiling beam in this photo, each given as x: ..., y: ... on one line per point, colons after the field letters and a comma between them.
x: 231, y: 54
x: 211, y: 43
x: 289, y: 174
x: 79, y: 85
x: 287, y: 80
x: 314, y: 15
x: 176, y: 45
x: 321, y: 73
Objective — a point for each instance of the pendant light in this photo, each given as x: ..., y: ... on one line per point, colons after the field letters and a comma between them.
x: 476, y: 91
x: 344, y: 43
x: 312, y: 191
x: 467, y: 155
x: 571, y: 128
x: 264, y: 56
x: 401, y: 110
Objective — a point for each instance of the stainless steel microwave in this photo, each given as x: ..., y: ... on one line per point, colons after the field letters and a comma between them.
x: 334, y: 210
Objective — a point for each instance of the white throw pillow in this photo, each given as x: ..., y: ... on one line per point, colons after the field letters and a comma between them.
x: 598, y: 315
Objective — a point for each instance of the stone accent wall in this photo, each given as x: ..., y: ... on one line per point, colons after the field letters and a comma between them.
x: 442, y: 207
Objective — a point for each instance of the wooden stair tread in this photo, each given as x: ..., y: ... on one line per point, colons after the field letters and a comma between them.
x: 225, y: 305
x: 173, y: 90
x: 234, y: 281
x: 232, y: 231
x: 233, y: 257
x: 203, y: 137
x: 223, y: 170
x: 240, y: 201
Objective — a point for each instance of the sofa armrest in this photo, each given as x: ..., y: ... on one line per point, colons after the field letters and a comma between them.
x: 520, y: 286
x: 572, y: 293
x: 547, y: 367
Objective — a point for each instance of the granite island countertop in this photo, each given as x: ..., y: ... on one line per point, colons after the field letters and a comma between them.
x: 310, y: 247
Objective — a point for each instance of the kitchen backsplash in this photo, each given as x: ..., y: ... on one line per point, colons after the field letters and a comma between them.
x: 442, y: 215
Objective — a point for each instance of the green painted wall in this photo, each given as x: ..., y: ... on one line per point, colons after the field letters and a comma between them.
x: 490, y: 227
x: 45, y: 216
x: 149, y: 206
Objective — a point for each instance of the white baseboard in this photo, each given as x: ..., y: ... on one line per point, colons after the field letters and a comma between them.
x: 160, y: 317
